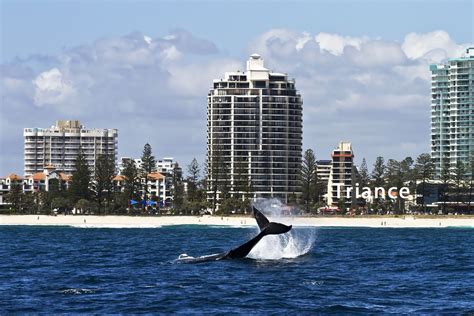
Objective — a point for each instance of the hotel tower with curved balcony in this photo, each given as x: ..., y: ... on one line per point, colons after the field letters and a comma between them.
x: 254, y: 134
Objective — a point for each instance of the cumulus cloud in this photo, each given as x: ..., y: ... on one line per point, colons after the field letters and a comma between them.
x: 335, y: 43
x: 433, y: 46
x: 370, y: 91
x: 52, y: 88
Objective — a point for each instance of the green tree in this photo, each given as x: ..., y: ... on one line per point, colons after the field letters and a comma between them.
x: 28, y: 202
x: 459, y: 179
x: 15, y: 197
x: 424, y: 169
x: 103, y: 184
x: 148, y: 166
x: 408, y: 177
x: 364, y: 174
x: 85, y: 206
x: 217, y: 175
x: 178, y: 190
x: 446, y: 179
x: 131, y: 177
x: 81, y: 179
x: 60, y: 203
x: 378, y: 172
x: 307, y: 177
x: 394, y: 178
x: 194, y: 172
x: 378, y: 178
x: 397, y: 173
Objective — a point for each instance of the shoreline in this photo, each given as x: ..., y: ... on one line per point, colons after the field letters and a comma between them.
x: 122, y: 221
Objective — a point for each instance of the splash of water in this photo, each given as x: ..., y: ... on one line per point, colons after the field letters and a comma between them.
x: 291, y: 245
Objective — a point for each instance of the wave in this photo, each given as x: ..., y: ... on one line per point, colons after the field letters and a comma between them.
x: 78, y: 291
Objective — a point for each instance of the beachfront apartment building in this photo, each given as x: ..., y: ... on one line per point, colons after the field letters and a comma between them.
x: 254, y: 133
x: 341, y: 176
x: 452, y: 111
x: 59, y: 145
x: 38, y: 182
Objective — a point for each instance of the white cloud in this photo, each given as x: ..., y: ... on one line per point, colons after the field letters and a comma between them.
x: 171, y: 53
x: 52, y: 88
x: 434, y: 46
x: 370, y: 91
x: 377, y: 53
x: 147, y: 39
x: 335, y: 43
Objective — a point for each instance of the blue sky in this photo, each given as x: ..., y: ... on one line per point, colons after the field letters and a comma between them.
x: 361, y: 66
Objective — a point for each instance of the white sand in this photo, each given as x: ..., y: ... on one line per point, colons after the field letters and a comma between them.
x: 158, y: 221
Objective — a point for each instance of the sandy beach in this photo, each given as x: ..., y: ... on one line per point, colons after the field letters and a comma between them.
x: 158, y: 221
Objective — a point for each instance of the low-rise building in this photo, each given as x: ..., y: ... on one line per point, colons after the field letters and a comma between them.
x: 37, y: 182
x: 6, y: 185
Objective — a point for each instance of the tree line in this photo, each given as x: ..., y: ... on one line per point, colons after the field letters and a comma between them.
x: 211, y: 188
x: 89, y: 192
x: 454, y: 186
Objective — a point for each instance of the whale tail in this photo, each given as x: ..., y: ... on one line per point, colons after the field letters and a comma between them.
x: 266, y: 228
x: 262, y: 221
x: 276, y: 229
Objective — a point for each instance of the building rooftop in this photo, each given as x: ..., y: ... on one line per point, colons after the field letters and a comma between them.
x: 13, y: 176
x: 155, y: 176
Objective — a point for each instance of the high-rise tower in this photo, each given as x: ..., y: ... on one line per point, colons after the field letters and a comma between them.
x: 452, y: 111
x: 254, y: 133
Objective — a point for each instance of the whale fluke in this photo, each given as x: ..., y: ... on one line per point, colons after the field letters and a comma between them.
x: 262, y: 221
x: 270, y: 229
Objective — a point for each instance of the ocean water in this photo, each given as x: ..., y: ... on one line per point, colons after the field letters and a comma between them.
x: 340, y: 270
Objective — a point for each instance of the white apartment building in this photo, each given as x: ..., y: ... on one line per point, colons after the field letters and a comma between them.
x: 452, y: 111
x: 58, y: 146
x: 164, y: 165
x: 254, y: 129
x: 341, y: 175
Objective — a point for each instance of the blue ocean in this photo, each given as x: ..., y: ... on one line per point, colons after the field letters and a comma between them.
x: 312, y: 270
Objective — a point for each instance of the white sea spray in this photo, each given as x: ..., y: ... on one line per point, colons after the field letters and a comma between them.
x: 293, y: 244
